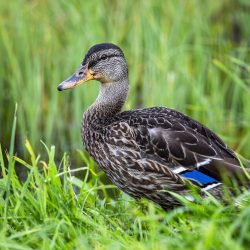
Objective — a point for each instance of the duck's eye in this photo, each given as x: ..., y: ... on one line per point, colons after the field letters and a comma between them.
x: 104, y: 57
x: 92, y: 64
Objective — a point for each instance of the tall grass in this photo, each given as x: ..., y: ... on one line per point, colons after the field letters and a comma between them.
x: 192, y: 56
x: 44, y: 212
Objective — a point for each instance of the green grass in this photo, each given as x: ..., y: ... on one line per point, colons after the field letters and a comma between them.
x: 52, y: 209
x: 189, y: 55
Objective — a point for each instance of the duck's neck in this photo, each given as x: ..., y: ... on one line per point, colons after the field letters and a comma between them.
x: 109, y: 102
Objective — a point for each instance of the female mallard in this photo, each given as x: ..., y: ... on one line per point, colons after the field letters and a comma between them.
x: 147, y: 152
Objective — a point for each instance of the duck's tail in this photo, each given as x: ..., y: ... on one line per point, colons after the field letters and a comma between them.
x: 228, y: 171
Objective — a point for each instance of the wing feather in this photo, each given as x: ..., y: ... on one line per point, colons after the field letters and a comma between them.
x: 172, y: 139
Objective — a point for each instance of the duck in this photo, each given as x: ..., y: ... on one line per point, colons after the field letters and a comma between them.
x: 154, y: 152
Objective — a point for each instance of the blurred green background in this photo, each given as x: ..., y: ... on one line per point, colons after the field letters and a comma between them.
x: 189, y: 55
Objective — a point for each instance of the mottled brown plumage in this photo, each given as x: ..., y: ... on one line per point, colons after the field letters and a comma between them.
x: 148, y: 152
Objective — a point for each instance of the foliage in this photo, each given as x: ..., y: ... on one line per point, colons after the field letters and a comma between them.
x: 52, y: 209
x: 189, y: 55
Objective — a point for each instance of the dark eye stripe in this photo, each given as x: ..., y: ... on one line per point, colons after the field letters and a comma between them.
x: 92, y: 64
x: 103, y: 57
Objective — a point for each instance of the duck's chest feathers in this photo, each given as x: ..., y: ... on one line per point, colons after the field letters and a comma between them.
x: 92, y: 138
x: 98, y: 140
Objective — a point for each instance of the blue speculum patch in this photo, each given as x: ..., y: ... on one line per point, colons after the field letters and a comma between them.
x: 199, y: 177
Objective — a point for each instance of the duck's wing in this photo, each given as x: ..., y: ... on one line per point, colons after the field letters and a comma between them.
x: 137, y: 173
x: 142, y: 169
x: 178, y: 141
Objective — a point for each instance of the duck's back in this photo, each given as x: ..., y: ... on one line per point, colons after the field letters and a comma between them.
x: 173, y: 139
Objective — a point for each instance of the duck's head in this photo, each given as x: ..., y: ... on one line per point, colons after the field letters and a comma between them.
x: 103, y: 62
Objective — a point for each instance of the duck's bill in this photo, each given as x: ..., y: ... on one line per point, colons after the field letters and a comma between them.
x: 80, y: 76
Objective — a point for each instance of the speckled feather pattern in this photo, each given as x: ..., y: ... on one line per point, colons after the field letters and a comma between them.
x: 139, y: 149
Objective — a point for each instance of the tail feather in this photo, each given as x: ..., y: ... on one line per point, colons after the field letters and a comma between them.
x: 227, y: 171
